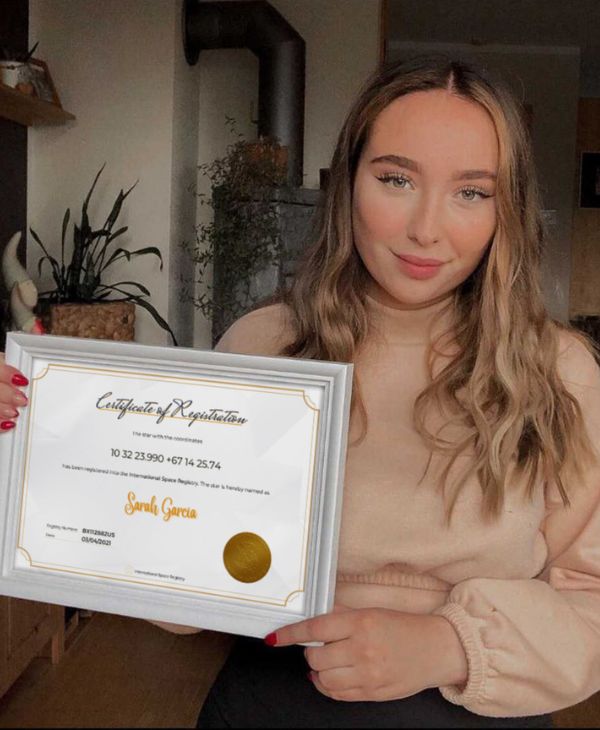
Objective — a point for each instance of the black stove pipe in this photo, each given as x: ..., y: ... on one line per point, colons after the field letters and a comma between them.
x: 256, y: 25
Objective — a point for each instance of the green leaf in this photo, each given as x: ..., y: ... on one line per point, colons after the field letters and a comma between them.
x: 99, y: 233
x: 79, y: 279
x: 129, y: 283
x: 37, y: 239
x: 116, y: 234
x: 89, y: 238
x: 110, y: 221
x: 89, y: 195
x: 58, y: 282
x: 157, y: 318
x: 150, y: 308
x: 100, y: 254
x: 53, y: 262
x: 62, y: 240
x: 90, y: 283
x: 124, y: 253
x: 97, y: 252
x: 74, y: 268
x: 31, y: 52
x: 118, y: 204
x: 85, y: 223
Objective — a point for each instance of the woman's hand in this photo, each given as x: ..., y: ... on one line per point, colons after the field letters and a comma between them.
x: 376, y: 654
x: 11, y: 395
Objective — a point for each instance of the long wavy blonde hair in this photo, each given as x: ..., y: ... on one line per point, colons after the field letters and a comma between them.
x: 502, y: 387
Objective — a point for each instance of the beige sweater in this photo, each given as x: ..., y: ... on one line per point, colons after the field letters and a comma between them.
x: 523, y: 593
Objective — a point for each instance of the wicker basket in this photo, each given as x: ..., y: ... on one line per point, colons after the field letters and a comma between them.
x: 100, y: 321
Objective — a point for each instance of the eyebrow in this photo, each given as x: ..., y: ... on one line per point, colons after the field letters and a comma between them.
x: 415, y: 167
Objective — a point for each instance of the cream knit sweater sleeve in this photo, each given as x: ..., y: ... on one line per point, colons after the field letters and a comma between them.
x: 533, y: 646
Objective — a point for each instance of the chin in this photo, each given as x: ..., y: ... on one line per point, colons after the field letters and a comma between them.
x: 409, y: 297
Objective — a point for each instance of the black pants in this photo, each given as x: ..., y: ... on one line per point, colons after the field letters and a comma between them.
x: 261, y: 686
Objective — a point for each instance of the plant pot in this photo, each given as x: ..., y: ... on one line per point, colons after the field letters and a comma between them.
x: 99, y: 321
x: 13, y: 73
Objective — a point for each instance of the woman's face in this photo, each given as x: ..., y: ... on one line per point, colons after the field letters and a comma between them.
x: 424, y: 206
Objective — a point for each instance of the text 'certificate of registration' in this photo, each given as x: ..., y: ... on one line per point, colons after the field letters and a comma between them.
x: 203, y: 480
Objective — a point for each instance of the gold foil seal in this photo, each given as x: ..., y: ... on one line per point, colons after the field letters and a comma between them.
x: 247, y: 557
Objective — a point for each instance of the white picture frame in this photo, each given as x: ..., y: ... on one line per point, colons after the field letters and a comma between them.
x: 28, y: 477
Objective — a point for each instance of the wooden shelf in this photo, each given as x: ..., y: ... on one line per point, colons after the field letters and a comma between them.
x: 29, y: 110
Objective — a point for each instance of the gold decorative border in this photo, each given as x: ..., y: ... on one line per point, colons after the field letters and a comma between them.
x: 192, y: 381
x: 43, y: 374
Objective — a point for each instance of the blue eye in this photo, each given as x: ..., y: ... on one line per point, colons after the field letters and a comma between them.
x: 400, y: 182
x: 394, y: 180
x: 475, y: 192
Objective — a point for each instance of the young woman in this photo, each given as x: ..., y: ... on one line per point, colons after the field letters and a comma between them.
x: 468, y: 590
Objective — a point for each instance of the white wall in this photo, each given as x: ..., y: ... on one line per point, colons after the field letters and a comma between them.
x: 119, y: 68
x: 114, y: 65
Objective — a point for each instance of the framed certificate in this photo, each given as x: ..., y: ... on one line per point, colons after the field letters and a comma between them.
x: 173, y: 484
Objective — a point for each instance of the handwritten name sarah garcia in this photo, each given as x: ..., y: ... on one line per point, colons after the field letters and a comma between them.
x: 167, y: 508
x: 177, y: 408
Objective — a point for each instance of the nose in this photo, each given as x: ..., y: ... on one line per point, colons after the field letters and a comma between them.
x: 425, y: 222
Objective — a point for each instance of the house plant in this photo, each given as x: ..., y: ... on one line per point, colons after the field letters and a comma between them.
x: 81, y: 302
x: 242, y: 241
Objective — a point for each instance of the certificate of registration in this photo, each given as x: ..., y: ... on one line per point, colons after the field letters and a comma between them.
x: 188, y: 486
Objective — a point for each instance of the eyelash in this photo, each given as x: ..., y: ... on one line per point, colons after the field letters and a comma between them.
x: 391, y: 177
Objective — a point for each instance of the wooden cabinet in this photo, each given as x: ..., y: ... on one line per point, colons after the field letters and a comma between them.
x: 28, y: 629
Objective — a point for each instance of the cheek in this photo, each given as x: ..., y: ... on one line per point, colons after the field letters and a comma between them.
x: 471, y: 234
x: 376, y: 217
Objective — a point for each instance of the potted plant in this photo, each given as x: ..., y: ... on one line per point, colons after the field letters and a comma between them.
x: 242, y: 242
x: 82, y: 303
x: 14, y: 68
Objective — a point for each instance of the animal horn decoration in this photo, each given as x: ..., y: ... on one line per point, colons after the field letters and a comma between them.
x: 22, y: 290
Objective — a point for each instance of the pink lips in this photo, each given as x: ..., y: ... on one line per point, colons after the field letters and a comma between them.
x: 418, y: 268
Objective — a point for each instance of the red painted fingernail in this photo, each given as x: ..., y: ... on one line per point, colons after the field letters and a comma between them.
x: 19, y: 380
x: 7, y: 425
x: 271, y: 639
